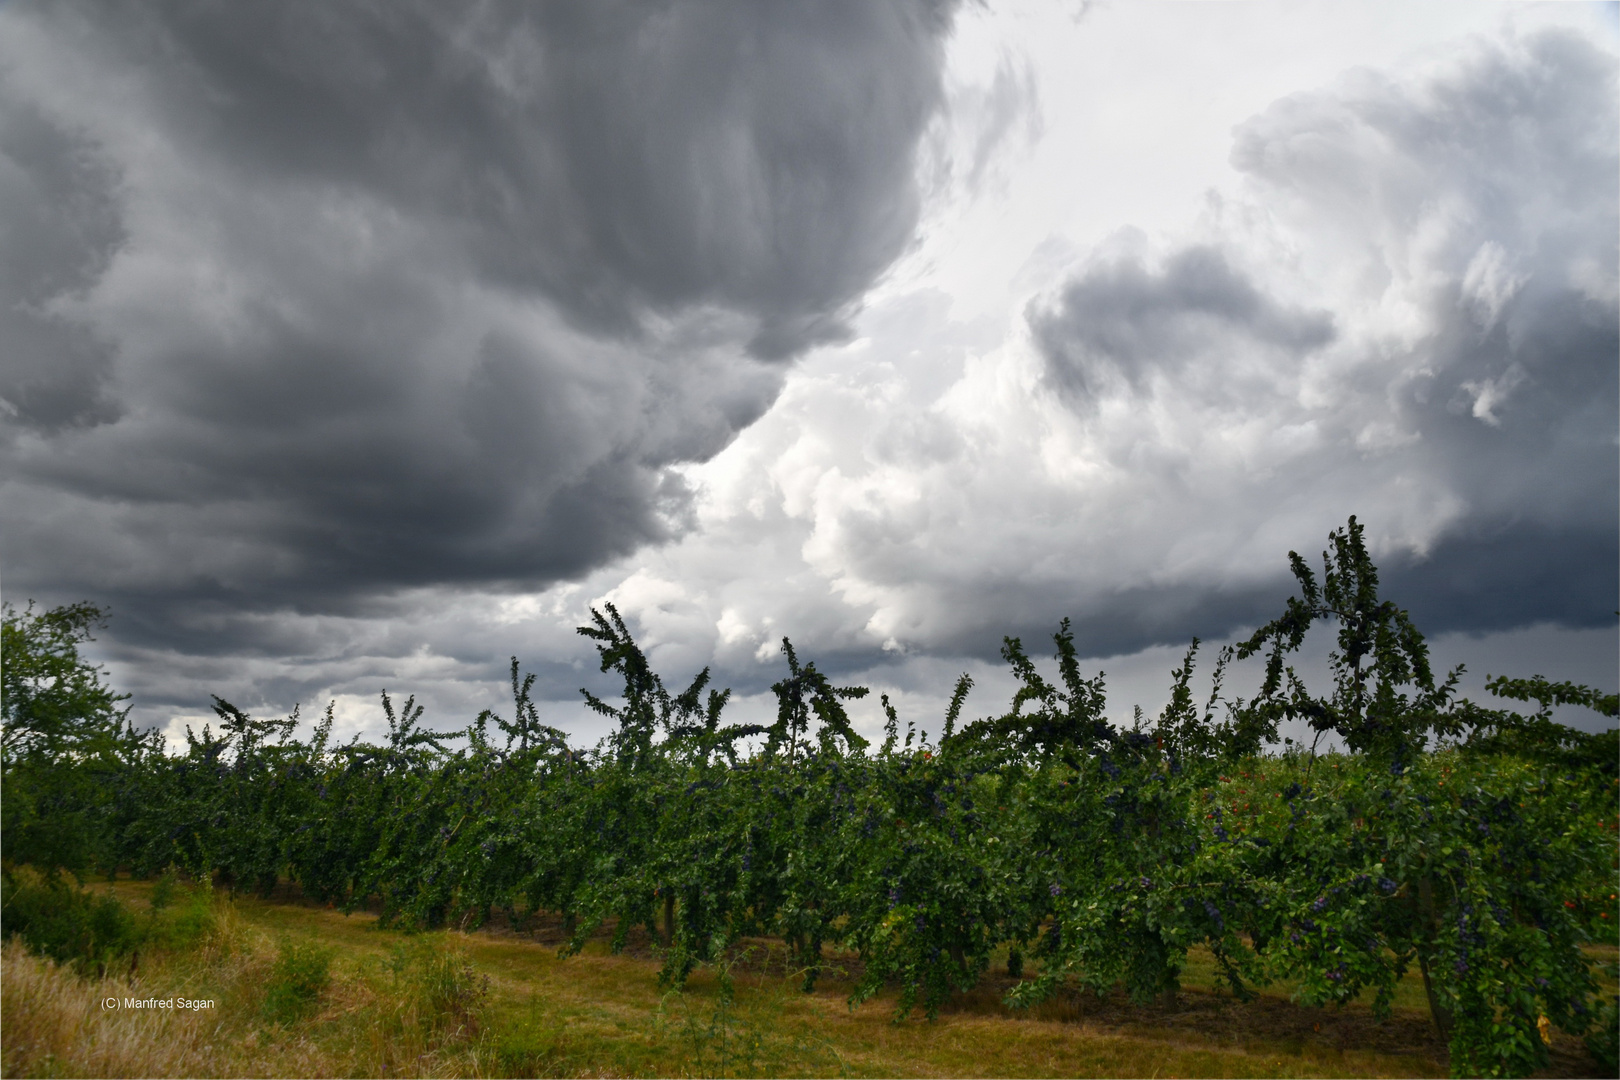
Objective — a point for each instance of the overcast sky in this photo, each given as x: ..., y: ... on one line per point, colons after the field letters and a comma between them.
x: 352, y: 346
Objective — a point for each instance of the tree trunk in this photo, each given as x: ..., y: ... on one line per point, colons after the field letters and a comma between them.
x: 1441, y: 1014
x: 669, y: 917
x: 812, y: 970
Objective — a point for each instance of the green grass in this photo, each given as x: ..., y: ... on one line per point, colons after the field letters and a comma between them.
x: 299, y: 978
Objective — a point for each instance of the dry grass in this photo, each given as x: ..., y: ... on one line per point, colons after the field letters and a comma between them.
x: 378, y: 1018
x: 603, y: 1015
x: 55, y: 1023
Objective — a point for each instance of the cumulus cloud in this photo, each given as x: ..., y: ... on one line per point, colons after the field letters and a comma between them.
x: 307, y: 305
x: 1471, y: 212
x: 405, y: 384
x: 1120, y: 323
x: 1405, y: 311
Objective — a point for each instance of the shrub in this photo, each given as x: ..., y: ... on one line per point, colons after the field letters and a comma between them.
x: 59, y: 919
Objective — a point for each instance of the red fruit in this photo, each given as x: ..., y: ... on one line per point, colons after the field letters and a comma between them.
x: 1569, y: 904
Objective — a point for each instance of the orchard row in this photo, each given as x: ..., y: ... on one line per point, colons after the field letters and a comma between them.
x: 1476, y: 846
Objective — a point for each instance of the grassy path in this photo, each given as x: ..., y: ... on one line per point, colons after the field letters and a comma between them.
x: 602, y: 1015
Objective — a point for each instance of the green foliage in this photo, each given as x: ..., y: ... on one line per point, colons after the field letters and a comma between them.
x: 53, y: 702
x: 58, y: 918
x: 301, y: 974
x: 163, y: 890
x: 185, y: 921
x: 1473, y: 845
x: 1487, y: 875
x: 1547, y: 694
x: 63, y: 739
x: 794, y: 711
x: 1537, y: 736
x: 96, y: 932
x: 1380, y: 653
x: 1062, y: 723
x: 1604, y: 1042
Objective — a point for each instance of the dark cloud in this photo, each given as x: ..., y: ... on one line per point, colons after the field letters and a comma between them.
x: 1510, y: 169
x: 1118, y: 320
x: 1466, y: 373
x: 305, y: 304
x: 59, y: 228
x: 1500, y: 575
x: 612, y: 155
x: 377, y: 339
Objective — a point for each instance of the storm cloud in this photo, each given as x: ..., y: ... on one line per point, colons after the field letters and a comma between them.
x: 306, y: 304
x: 367, y: 345
x: 1487, y: 199
x: 1396, y: 313
x: 1120, y: 323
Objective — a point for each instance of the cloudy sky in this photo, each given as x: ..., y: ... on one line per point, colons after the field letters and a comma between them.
x: 356, y: 346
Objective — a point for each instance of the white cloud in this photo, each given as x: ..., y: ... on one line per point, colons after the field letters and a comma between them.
x: 1263, y: 392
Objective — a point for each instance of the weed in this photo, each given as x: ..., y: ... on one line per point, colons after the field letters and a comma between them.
x: 435, y: 989
x: 193, y: 920
x: 300, y: 976
x: 163, y: 890
x: 723, y: 1039
x: 533, y: 1047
